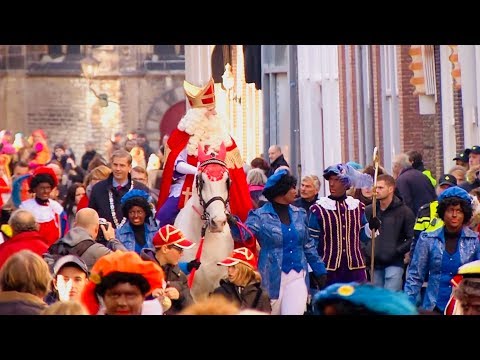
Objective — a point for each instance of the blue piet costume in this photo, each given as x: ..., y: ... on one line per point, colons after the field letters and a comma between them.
x: 432, y: 256
x: 137, y: 237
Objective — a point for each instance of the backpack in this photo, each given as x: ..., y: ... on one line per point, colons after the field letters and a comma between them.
x: 59, y: 249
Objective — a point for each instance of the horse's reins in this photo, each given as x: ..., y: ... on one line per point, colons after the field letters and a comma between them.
x: 199, y: 182
x: 205, y: 216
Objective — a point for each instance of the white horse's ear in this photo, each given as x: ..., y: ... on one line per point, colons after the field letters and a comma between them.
x: 201, y: 154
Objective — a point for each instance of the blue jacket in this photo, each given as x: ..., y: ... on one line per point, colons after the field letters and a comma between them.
x: 127, y: 237
x: 427, y: 259
x: 265, y: 225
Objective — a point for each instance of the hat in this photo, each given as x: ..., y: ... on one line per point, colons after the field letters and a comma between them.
x: 455, y: 191
x: 120, y: 261
x: 200, y: 96
x: 69, y: 259
x: 474, y: 150
x: 468, y: 270
x: 170, y: 235
x: 273, y: 180
x: 376, y: 299
x: 240, y: 255
x: 463, y: 156
x: 134, y: 193
x: 447, y: 179
x: 348, y: 176
x: 46, y: 171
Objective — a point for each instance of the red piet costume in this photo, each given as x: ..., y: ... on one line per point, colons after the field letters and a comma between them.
x: 240, y: 202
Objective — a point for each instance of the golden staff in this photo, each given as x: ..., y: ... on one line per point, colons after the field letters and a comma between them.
x: 376, y: 161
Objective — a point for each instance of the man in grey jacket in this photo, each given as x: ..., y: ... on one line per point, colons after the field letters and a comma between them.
x: 85, y: 229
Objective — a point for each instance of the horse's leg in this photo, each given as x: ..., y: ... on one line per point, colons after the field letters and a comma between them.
x: 190, y: 224
x: 217, y: 246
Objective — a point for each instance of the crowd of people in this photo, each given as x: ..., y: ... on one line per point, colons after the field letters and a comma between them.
x: 96, y: 234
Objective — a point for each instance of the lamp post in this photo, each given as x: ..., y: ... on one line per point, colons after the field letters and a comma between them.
x: 89, y: 69
x: 228, y: 81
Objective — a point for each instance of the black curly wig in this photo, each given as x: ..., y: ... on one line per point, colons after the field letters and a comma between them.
x: 452, y: 201
x: 137, y: 201
x: 116, y: 277
x: 41, y: 178
x: 282, y: 187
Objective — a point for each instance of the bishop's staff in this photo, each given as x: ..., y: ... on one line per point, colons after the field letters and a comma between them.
x: 376, y: 161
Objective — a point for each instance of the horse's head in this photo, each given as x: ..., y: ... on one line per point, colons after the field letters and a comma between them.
x: 213, y: 186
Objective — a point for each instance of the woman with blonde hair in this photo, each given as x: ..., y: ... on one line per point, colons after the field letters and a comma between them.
x: 243, y: 284
x: 96, y: 175
x: 24, y: 282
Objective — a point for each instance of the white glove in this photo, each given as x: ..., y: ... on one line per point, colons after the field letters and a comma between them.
x: 185, y: 168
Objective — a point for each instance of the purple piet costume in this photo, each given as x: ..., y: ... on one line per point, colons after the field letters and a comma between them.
x: 336, y: 224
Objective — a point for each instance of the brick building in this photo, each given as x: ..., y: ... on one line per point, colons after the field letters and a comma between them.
x: 42, y: 86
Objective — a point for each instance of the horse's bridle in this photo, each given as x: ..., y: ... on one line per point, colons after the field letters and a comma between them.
x: 199, y: 184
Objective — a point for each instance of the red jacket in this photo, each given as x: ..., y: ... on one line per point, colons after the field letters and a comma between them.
x: 29, y: 240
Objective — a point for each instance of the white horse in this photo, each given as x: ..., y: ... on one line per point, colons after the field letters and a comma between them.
x: 205, y: 213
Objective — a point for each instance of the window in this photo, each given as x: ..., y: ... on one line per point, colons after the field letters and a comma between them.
x: 16, y: 57
x: 167, y: 57
x: 59, y: 60
x: 59, y: 50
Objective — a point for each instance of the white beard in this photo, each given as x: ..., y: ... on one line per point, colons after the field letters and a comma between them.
x: 207, y: 130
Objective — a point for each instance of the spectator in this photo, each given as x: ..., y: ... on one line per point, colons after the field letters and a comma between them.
x: 243, y: 284
x: 276, y: 159
x: 86, y: 229
x: 106, y: 195
x: 24, y: 280
x: 70, y: 275
x: 25, y: 236
x: 89, y: 154
x: 309, y: 188
x: 256, y: 180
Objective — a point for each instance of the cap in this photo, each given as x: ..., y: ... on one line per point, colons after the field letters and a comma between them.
x: 170, y: 235
x: 455, y: 191
x: 377, y: 299
x: 474, y: 150
x: 240, y: 255
x: 69, y: 259
x: 447, y: 179
x: 200, y: 96
x: 463, y: 156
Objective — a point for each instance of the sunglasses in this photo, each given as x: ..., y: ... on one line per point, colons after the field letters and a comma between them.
x: 178, y: 248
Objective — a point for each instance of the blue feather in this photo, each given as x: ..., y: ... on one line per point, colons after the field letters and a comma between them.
x: 17, y: 189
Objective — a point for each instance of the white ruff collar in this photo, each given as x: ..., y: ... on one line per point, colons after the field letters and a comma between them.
x: 329, y: 204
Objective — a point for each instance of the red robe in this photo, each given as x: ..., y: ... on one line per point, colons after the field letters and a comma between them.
x: 240, y: 201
